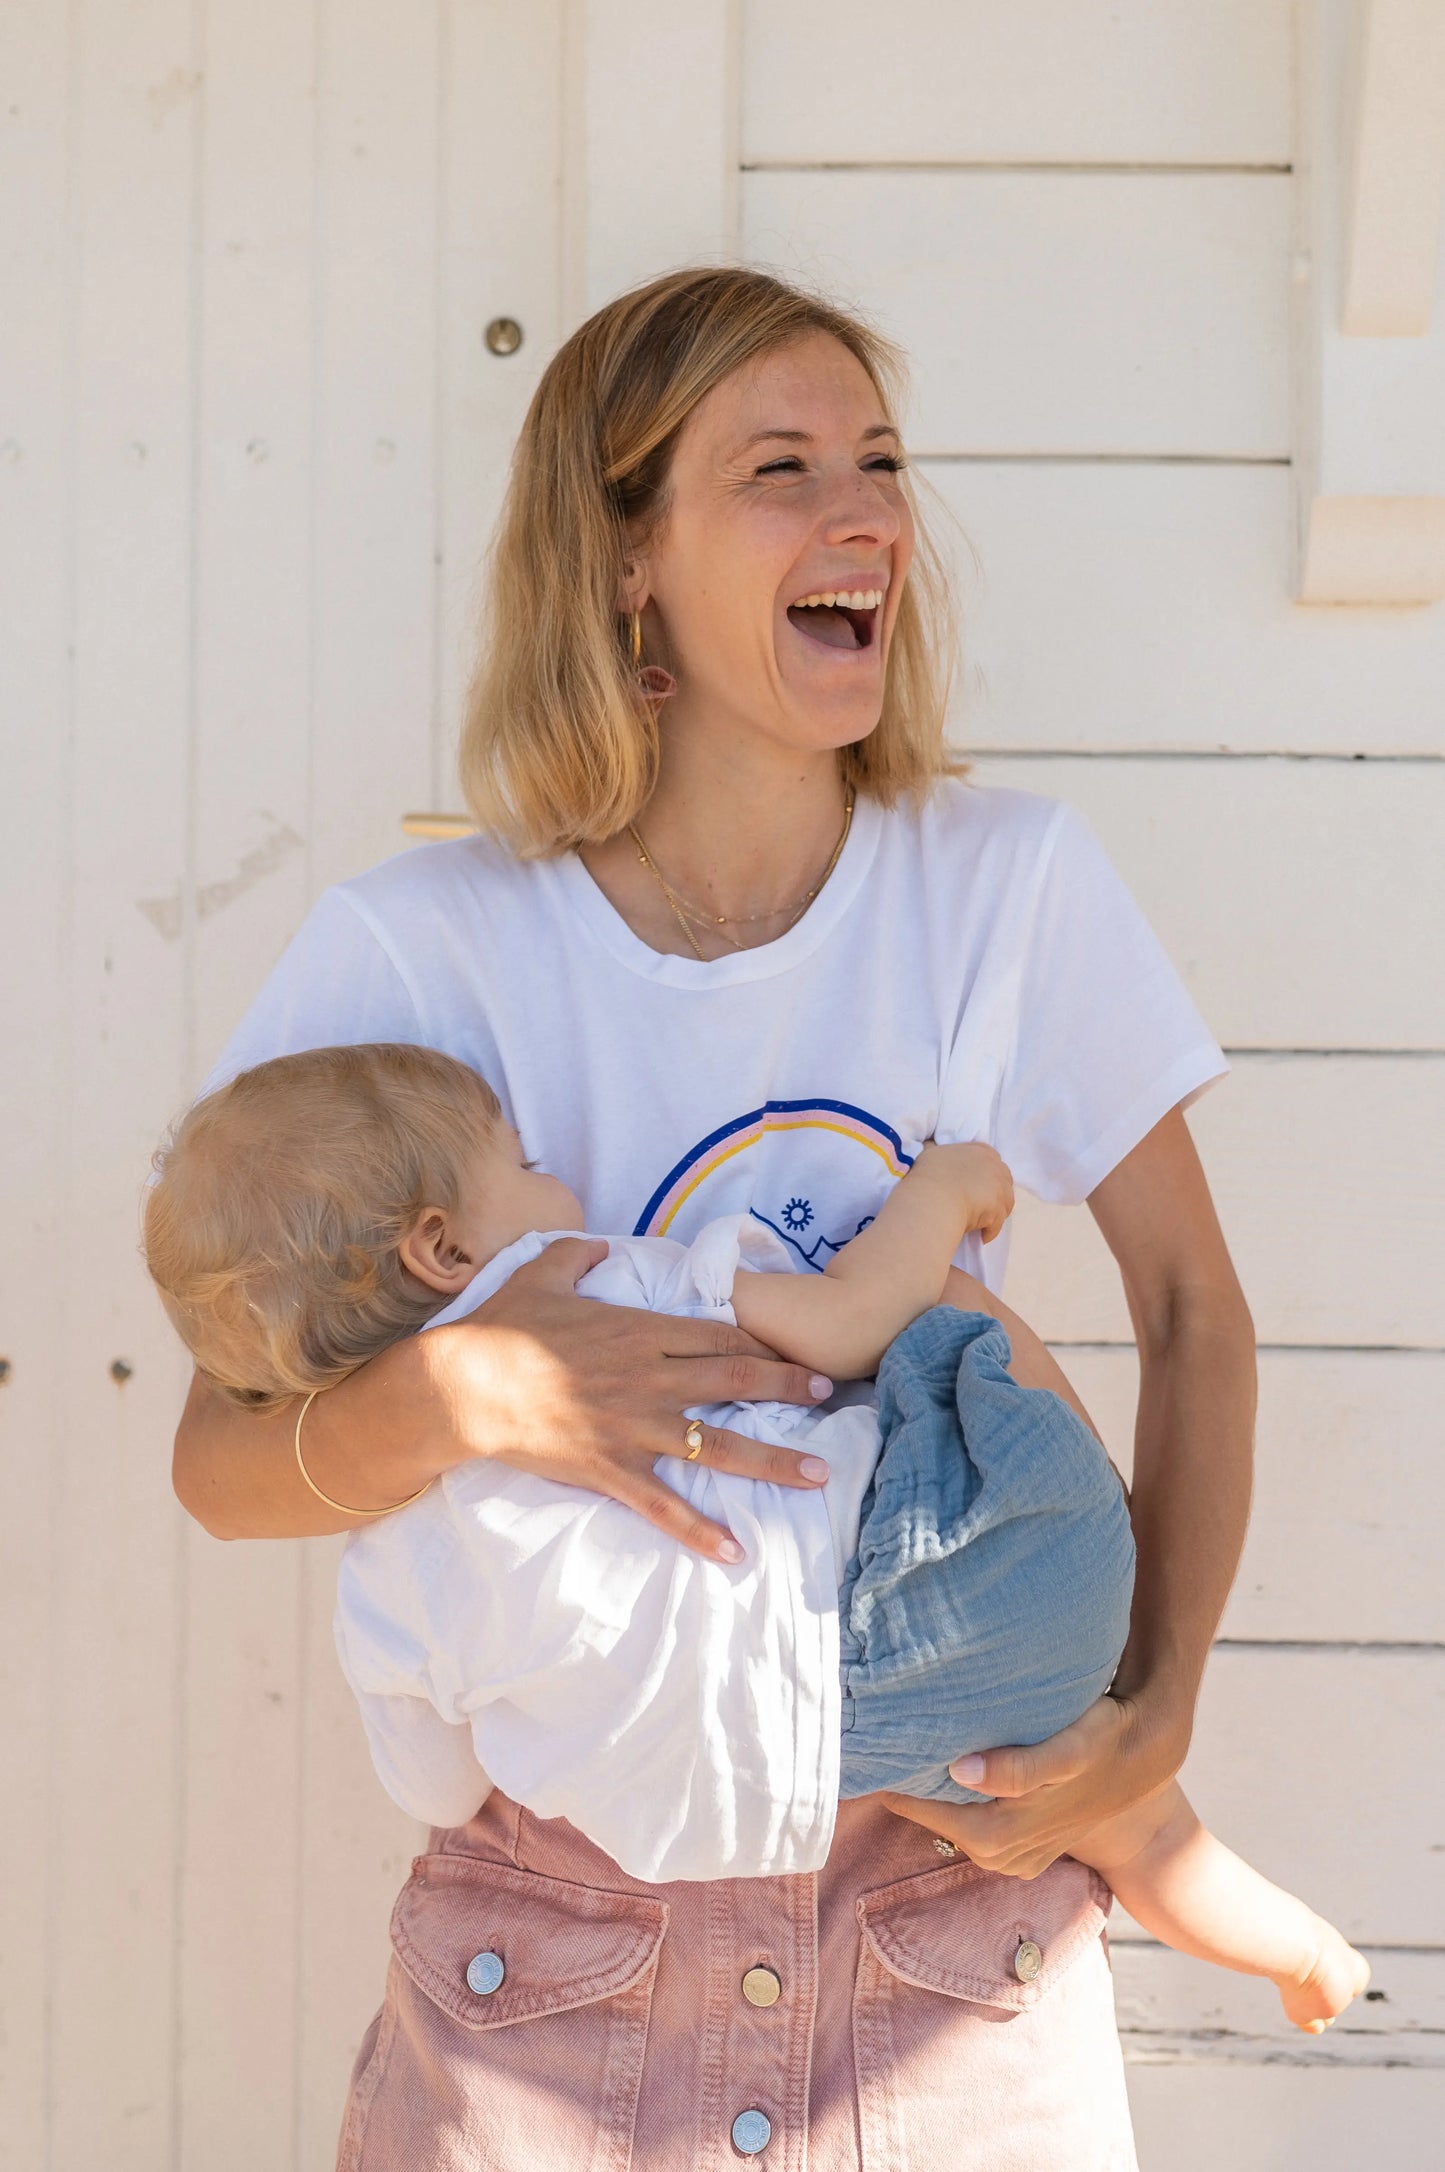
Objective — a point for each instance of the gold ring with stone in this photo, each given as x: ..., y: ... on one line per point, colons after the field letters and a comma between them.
x: 693, y: 1437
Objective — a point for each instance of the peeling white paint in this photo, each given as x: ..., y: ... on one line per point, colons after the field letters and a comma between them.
x: 167, y: 914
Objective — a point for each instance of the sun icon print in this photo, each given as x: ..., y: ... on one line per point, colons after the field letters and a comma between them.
x: 797, y: 1214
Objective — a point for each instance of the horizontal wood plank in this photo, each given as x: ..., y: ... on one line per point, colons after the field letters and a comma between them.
x: 1304, y: 903
x: 1349, y: 1497
x: 1174, y: 2010
x: 1148, y: 605
x: 1284, y: 2119
x: 1329, y: 1176
x: 1325, y: 1769
x: 1054, y: 80
x: 1167, y: 293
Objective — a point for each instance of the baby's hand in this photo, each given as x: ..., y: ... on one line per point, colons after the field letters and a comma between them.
x: 981, y: 1180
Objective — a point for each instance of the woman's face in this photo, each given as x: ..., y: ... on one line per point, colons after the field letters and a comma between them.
x: 783, y: 486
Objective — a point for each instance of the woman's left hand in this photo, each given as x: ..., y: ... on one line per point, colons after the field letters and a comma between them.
x: 1051, y: 1795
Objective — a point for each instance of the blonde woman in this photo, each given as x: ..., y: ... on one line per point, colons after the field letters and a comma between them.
x: 737, y: 935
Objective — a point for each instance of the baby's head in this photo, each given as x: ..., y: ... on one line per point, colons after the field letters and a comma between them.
x: 322, y: 1206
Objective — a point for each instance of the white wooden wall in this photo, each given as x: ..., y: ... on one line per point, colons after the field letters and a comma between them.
x: 250, y: 444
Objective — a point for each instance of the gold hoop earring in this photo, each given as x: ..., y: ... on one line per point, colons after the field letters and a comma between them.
x: 636, y: 639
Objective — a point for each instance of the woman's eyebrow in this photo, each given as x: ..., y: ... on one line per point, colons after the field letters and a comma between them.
x: 803, y: 437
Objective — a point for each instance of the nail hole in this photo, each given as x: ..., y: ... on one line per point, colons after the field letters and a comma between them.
x: 4, y: 1370
x: 120, y: 1371
x: 1373, y: 1996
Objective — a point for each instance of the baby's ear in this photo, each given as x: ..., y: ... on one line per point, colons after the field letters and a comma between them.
x: 429, y: 1251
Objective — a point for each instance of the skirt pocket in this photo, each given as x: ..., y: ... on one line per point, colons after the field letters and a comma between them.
x: 983, y: 2025
x: 513, y: 2029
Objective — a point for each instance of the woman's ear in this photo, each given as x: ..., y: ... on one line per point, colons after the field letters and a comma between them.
x: 429, y: 1251
x: 634, y: 592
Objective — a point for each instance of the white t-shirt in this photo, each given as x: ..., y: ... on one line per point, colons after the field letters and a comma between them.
x: 683, y: 1714
x: 974, y: 968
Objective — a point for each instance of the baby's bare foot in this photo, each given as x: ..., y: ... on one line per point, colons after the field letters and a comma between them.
x: 1327, y: 1981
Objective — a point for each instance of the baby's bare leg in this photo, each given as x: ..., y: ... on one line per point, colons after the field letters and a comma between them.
x: 1189, y: 1891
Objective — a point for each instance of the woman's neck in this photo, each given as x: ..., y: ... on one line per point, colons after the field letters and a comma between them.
x: 738, y: 834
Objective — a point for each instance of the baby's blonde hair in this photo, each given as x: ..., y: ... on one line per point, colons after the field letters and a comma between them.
x: 273, y: 1225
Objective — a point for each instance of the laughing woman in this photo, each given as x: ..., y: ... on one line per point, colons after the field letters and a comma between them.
x: 737, y: 936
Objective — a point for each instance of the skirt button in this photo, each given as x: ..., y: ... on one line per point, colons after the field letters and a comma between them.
x: 1028, y: 1960
x: 485, y: 1972
x: 752, y: 2132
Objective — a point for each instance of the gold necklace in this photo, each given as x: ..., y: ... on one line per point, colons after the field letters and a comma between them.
x: 688, y: 916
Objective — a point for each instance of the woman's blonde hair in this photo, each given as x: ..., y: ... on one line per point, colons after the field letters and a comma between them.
x: 559, y: 740
x: 273, y: 1224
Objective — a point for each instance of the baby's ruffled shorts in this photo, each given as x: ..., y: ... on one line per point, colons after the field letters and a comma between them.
x: 988, y: 1601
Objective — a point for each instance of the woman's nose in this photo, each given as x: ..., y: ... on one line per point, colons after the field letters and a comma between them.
x: 863, y: 509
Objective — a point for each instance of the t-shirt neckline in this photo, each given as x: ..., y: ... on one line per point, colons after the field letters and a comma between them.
x: 603, y: 920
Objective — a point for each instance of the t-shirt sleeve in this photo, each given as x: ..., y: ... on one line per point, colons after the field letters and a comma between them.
x: 1107, y: 1039
x: 335, y: 984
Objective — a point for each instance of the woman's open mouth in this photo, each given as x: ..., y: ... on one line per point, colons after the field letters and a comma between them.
x: 841, y: 619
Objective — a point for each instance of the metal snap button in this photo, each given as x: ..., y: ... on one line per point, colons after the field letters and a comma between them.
x: 1028, y: 1960
x: 752, y: 2132
x: 485, y: 1972
x: 762, y: 1987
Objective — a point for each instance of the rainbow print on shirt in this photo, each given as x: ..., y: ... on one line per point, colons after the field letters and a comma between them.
x: 797, y: 1214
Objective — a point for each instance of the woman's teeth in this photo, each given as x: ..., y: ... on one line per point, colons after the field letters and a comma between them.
x: 858, y: 599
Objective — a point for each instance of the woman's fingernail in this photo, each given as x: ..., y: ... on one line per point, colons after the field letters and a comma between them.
x: 729, y: 1550
x: 968, y: 1771
x: 820, y: 1386
x: 813, y: 1467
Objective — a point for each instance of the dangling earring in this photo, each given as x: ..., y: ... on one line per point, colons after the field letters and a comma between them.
x: 636, y: 639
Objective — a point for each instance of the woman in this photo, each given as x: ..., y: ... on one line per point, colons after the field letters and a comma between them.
x: 737, y: 936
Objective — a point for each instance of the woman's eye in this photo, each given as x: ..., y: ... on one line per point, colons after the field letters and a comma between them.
x: 884, y: 460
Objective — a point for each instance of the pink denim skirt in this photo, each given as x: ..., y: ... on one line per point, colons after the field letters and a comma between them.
x: 901, y: 2011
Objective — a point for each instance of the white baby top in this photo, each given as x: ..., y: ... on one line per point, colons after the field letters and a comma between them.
x: 685, y: 1715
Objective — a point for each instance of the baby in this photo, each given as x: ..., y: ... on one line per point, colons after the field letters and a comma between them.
x: 963, y: 1581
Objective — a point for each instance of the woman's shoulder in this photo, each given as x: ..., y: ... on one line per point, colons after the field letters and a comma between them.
x: 420, y: 878
x: 440, y: 896
x: 968, y: 834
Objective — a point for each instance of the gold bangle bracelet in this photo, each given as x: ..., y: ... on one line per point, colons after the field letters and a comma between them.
x: 326, y: 1497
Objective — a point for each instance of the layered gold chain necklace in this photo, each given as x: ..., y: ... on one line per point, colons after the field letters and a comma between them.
x: 689, y: 916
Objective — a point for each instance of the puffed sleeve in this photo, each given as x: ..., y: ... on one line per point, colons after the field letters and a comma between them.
x: 1106, y: 1037
x: 393, y: 1584
x: 335, y: 983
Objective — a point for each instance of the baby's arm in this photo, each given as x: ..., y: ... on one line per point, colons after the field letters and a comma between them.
x: 1190, y: 1892
x: 843, y: 1320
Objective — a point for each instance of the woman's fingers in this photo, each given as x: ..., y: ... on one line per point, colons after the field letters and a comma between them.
x: 563, y: 1264
x: 741, y: 1457
x: 741, y: 1379
x: 1064, y: 1756
x: 678, y: 1519
x: 980, y: 1832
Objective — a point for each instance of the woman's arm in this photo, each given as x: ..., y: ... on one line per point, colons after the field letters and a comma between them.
x: 1190, y: 1504
x: 585, y: 1393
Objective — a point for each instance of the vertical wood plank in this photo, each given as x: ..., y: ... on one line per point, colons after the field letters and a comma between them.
x: 239, y: 1972
x: 376, y: 447
x: 35, y: 509
x: 658, y: 165
x: 501, y: 220
x: 119, y: 1750
x: 375, y: 508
